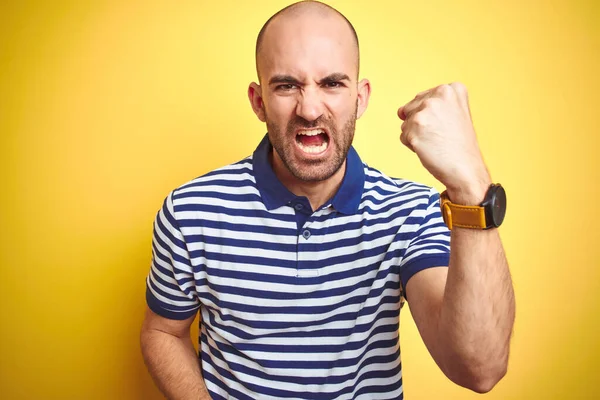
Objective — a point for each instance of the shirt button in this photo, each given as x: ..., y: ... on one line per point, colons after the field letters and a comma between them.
x: 306, y: 234
x: 298, y: 207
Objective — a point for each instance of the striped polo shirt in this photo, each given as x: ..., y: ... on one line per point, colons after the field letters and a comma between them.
x: 295, y: 303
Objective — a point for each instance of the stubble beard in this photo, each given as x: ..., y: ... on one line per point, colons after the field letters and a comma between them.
x: 311, y: 170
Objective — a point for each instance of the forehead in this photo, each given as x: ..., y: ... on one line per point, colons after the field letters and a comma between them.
x: 308, y: 46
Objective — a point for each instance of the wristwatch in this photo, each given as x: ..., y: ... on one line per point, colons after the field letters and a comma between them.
x: 489, y: 214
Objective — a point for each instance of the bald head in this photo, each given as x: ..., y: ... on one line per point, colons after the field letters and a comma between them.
x: 305, y: 14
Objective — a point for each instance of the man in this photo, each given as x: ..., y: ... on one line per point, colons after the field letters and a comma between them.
x: 299, y: 256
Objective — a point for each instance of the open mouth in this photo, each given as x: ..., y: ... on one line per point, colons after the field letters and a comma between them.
x: 313, y: 141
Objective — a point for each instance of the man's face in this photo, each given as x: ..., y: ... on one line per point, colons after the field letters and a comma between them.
x: 308, y: 69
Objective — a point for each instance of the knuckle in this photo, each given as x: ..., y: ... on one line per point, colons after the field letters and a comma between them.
x: 444, y: 90
x: 459, y: 88
x: 407, y: 140
x: 403, y: 138
x: 418, y: 120
x: 431, y: 103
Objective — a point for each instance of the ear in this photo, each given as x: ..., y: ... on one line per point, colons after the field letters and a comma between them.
x: 364, y: 92
x: 256, y: 101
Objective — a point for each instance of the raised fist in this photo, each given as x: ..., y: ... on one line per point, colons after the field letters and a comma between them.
x: 438, y: 128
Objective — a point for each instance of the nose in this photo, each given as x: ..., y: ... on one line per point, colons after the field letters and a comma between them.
x: 310, y: 105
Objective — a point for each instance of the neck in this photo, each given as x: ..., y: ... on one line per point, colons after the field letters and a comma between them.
x: 317, y: 192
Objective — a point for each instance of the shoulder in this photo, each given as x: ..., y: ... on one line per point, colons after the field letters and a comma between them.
x: 222, y: 180
x: 236, y: 174
x: 227, y: 185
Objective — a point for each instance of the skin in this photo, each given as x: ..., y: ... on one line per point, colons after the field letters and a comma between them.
x: 308, y: 71
x: 464, y: 313
x: 171, y: 358
x: 308, y: 66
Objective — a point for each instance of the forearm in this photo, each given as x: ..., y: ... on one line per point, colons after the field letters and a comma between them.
x: 478, y: 310
x: 173, y: 364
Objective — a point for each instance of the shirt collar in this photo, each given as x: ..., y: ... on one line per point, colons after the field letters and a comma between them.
x: 275, y: 194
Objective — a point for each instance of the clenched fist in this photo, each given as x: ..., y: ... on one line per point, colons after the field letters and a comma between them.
x: 438, y: 128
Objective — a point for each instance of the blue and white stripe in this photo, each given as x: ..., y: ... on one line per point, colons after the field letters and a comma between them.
x: 288, y: 314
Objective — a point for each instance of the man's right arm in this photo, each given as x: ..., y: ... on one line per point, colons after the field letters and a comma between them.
x: 171, y: 358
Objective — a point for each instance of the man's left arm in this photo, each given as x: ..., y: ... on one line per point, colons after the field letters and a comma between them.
x: 465, y: 313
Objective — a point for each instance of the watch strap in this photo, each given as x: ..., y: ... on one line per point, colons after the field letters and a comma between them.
x: 456, y: 215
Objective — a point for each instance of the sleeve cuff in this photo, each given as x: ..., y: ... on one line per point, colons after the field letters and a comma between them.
x: 159, y: 308
x: 407, y: 272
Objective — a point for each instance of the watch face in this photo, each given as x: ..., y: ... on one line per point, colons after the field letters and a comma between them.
x: 498, y: 205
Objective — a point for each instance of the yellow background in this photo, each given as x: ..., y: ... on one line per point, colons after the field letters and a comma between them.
x: 106, y: 106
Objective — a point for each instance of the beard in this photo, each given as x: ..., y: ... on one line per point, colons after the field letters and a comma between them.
x: 283, y: 142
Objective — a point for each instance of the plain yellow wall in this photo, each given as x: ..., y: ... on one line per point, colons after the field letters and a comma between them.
x: 106, y: 106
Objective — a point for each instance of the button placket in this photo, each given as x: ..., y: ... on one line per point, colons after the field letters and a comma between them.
x: 305, y: 267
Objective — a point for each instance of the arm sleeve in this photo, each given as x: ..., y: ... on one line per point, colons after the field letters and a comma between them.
x: 430, y: 246
x: 170, y: 285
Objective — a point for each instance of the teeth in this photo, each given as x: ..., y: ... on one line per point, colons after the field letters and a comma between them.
x: 313, y: 149
x: 312, y: 132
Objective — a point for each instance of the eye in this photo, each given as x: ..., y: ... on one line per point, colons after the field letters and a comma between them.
x: 334, y: 84
x: 286, y: 87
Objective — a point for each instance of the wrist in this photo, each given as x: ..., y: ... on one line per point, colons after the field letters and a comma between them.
x: 470, y: 194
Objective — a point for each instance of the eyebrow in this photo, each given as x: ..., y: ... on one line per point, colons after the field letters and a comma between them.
x: 283, y: 79
x: 335, y: 77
